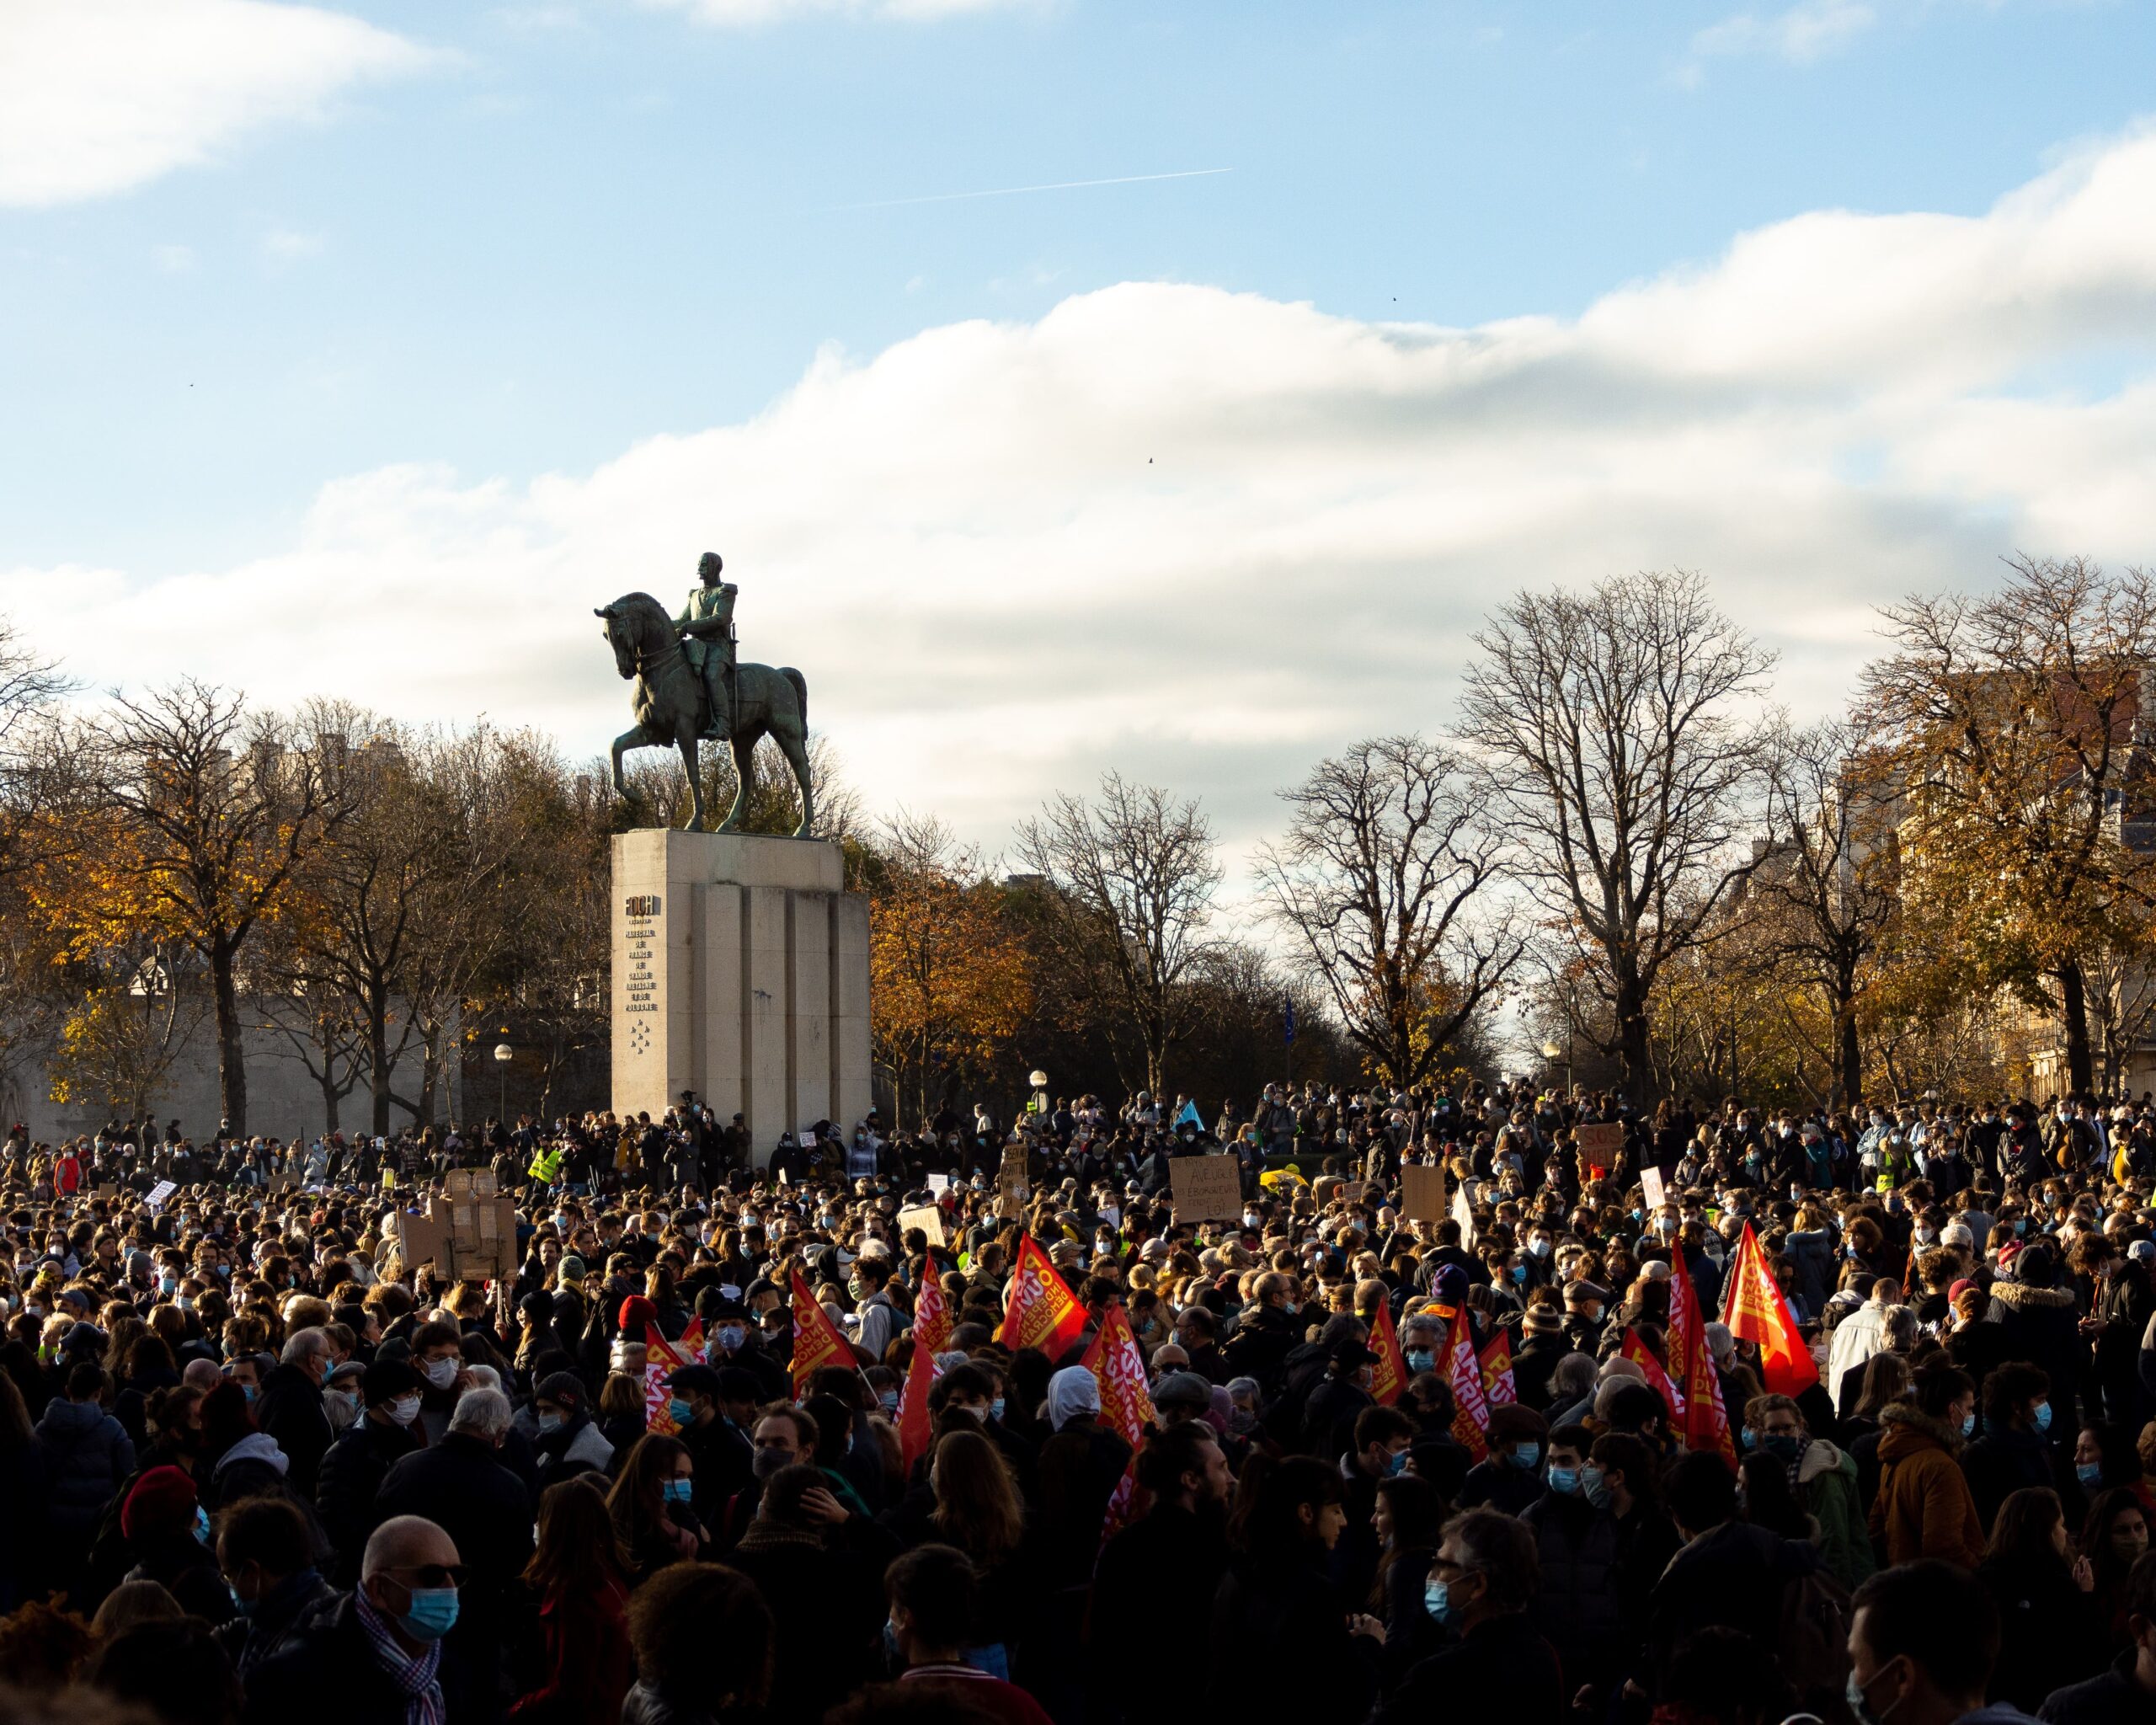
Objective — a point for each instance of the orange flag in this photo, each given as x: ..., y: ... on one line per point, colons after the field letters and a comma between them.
x: 1706, y: 1422
x: 1041, y: 1313
x: 1497, y: 1366
x: 1126, y: 1407
x: 1643, y: 1356
x: 915, y: 1427
x: 932, y: 1317
x: 1389, y: 1376
x: 1755, y: 1311
x: 817, y: 1342
x: 1470, y: 1407
x: 661, y: 1362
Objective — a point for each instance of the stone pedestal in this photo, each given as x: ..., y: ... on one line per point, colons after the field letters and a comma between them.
x: 741, y: 973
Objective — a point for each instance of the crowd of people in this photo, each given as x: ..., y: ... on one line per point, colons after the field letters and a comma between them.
x: 980, y: 1422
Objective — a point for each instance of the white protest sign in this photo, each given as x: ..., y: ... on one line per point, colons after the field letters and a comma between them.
x: 159, y: 1192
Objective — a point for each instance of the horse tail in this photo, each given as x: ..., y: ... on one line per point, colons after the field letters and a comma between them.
x: 800, y: 693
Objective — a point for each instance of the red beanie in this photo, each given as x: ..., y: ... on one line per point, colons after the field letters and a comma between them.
x: 637, y: 1311
x: 161, y: 1502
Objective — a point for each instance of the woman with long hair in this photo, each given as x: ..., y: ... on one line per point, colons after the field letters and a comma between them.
x: 1279, y: 1594
x: 2113, y: 1539
x: 1409, y: 1514
x: 581, y: 1576
x: 2044, y: 1595
x: 651, y: 1508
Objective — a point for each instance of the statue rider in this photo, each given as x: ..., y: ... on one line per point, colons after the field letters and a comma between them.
x: 706, y: 630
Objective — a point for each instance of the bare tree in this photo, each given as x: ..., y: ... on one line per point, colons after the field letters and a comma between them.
x: 1611, y: 753
x: 217, y: 807
x: 1130, y: 883
x: 1383, y: 885
x: 1826, y: 882
x: 2019, y: 726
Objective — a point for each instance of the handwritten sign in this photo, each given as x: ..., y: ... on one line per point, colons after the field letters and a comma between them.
x: 1206, y: 1189
x: 1599, y: 1142
x: 926, y: 1218
x: 1651, y: 1187
x: 159, y: 1192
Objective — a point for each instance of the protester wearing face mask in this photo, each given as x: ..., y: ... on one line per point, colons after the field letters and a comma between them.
x: 354, y: 1466
x: 380, y: 1653
x: 1924, y: 1639
x: 1824, y: 1480
x: 1481, y: 1590
x: 265, y: 1549
x: 567, y: 1441
x: 1576, y: 1544
x: 1510, y: 1477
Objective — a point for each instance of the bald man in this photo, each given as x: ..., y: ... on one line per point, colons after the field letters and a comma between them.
x: 376, y: 1656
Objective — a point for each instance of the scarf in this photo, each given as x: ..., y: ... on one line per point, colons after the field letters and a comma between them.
x: 414, y: 1675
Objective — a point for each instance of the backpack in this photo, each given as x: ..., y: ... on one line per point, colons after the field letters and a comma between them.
x: 1812, y: 1643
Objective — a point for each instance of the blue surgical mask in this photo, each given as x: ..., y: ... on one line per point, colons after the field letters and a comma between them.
x: 550, y: 1423
x: 1437, y: 1600
x: 1968, y: 1424
x: 995, y: 1408
x: 1396, y: 1463
x: 1565, y: 1482
x: 731, y: 1337
x: 680, y: 1411
x: 2043, y: 1417
x: 201, y: 1523
x: 1527, y: 1453
x: 681, y: 1490
x: 245, y: 1607
x: 1749, y: 1437
x: 889, y: 1399
x: 1784, y: 1445
x: 1595, y: 1486
x: 433, y: 1614
x: 2089, y: 1473
x: 1519, y: 1272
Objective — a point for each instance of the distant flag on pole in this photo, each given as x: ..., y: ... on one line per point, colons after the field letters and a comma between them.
x: 1189, y: 1116
x: 1288, y: 1018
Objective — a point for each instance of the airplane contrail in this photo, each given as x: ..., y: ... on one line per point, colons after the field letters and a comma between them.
x: 1061, y: 185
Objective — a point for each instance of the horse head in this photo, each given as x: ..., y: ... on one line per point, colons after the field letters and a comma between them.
x: 626, y: 623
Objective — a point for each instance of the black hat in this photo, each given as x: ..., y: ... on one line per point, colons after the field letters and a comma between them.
x: 564, y: 1389
x: 700, y: 1378
x: 386, y: 1380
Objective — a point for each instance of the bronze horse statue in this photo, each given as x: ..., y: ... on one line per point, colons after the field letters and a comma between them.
x: 672, y: 712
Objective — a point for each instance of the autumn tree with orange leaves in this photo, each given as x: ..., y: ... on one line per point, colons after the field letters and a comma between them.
x: 950, y: 977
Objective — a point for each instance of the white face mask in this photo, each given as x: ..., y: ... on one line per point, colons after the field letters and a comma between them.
x: 441, y: 1373
x: 404, y: 1409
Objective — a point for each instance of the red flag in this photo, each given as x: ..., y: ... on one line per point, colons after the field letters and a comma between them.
x: 1126, y: 1406
x: 692, y: 1338
x: 1677, y: 1344
x: 1706, y: 1422
x: 1496, y: 1366
x: 1389, y: 1376
x: 932, y: 1317
x: 1470, y: 1407
x: 1643, y: 1356
x: 661, y: 1362
x: 1755, y: 1311
x: 915, y: 1428
x: 817, y: 1342
x: 1041, y: 1313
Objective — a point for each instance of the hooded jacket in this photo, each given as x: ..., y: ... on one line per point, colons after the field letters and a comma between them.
x: 2043, y: 1326
x: 88, y: 1452
x: 1924, y: 1508
x: 1827, y: 1484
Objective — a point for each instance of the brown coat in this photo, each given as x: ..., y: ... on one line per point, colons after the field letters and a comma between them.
x: 1924, y: 1508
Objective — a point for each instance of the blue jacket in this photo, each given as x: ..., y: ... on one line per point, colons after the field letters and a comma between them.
x: 87, y: 1455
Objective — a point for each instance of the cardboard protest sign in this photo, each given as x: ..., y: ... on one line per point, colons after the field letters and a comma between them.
x: 1206, y: 1189
x: 1012, y: 1186
x: 1599, y: 1143
x: 1651, y: 1187
x: 939, y: 1183
x: 1422, y: 1193
x: 423, y: 1240
x: 926, y: 1217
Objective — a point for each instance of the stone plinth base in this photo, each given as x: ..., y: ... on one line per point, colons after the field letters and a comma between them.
x: 740, y: 973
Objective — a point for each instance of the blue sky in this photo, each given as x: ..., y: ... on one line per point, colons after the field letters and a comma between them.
x: 487, y: 246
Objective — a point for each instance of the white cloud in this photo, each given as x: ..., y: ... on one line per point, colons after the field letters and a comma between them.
x: 1807, y: 31
x: 173, y: 260
x: 97, y: 96
x: 286, y: 245
x: 733, y: 13
x: 1206, y: 537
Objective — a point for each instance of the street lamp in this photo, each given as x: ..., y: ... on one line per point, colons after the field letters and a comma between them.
x: 1038, y: 1080
x: 1552, y: 1053
x: 503, y: 1053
